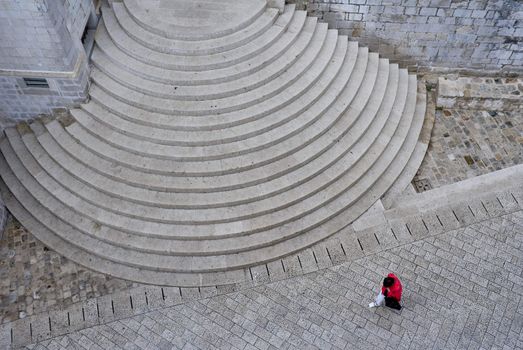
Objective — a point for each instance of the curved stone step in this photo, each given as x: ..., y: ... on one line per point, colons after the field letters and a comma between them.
x: 219, y: 149
x: 299, y: 61
x: 242, y: 162
x: 419, y: 151
x: 201, y: 107
x: 164, y: 181
x: 219, y: 123
x: 289, y: 21
x: 307, y: 178
x: 237, y: 259
x: 97, y: 263
x: 290, y: 39
x: 199, y: 47
x: 361, y: 165
x: 198, y: 22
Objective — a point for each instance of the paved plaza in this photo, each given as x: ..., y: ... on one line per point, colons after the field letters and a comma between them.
x: 243, y: 176
x: 463, y: 289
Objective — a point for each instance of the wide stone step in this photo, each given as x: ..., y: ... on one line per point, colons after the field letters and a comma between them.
x: 329, y: 172
x: 288, y: 43
x: 206, y: 62
x: 196, y: 184
x: 218, y: 149
x: 200, y: 20
x: 358, y: 90
x: 200, y: 47
x: 275, y: 89
x: 255, y: 118
x: 297, y: 62
x: 299, y: 207
x: 418, y: 154
x: 230, y: 261
x: 216, y: 140
x: 52, y: 238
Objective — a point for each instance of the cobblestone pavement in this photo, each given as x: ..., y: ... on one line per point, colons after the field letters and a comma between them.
x: 34, y: 279
x: 462, y: 290
x: 468, y: 143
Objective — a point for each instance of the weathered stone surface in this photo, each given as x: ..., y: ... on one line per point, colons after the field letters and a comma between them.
x: 3, y: 217
x: 491, y: 94
x: 42, y: 39
x: 250, y: 169
x: 461, y: 289
x: 444, y: 35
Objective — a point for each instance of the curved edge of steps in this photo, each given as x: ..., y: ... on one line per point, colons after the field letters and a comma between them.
x: 229, y: 194
x: 218, y: 104
x: 173, y: 31
x: 427, y: 107
x: 289, y: 22
x: 304, y: 58
x: 216, y: 123
x: 212, y: 145
x: 270, y: 159
x: 99, y: 264
x: 192, y: 48
x: 365, y: 179
x: 182, y: 77
x: 388, y: 177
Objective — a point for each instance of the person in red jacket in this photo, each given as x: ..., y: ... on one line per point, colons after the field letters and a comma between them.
x: 390, y: 293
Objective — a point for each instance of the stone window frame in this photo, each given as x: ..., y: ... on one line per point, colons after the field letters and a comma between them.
x: 33, y: 90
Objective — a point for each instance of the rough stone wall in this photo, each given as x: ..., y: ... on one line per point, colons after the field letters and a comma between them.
x: 41, y: 39
x: 29, y: 39
x: 462, y: 35
x: 19, y: 102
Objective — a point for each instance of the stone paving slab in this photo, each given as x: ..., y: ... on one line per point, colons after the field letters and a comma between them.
x: 348, y: 245
x: 462, y: 290
x: 468, y: 143
x: 494, y: 94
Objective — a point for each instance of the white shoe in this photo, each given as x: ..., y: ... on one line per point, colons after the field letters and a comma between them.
x: 372, y: 305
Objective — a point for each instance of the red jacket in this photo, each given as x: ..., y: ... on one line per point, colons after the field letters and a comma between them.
x: 395, y: 290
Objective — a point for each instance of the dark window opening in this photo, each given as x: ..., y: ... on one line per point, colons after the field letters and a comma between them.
x: 36, y: 82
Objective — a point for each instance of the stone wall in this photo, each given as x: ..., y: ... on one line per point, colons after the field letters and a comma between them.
x: 42, y: 39
x: 443, y: 35
x: 19, y: 102
x: 29, y: 39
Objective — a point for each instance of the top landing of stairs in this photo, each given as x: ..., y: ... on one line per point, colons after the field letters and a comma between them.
x: 194, y: 20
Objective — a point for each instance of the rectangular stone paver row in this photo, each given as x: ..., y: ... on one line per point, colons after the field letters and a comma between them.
x: 467, y: 143
x: 462, y: 290
x: 405, y: 227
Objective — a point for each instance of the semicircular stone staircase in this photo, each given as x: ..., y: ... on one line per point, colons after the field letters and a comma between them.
x: 218, y: 136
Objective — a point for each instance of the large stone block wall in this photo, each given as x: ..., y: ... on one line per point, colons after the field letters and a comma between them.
x: 42, y: 39
x: 445, y: 35
x: 29, y: 39
x: 21, y: 103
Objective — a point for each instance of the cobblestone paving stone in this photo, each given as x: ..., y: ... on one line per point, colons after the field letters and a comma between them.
x: 468, y: 143
x: 463, y: 289
x: 34, y: 279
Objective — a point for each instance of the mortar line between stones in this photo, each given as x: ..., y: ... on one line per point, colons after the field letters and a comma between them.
x: 276, y: 279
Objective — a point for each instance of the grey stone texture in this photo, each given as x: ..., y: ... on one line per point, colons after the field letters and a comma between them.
x: 491, y: 94
x: 465, y: 35
x: 3, y: 217
x: 42, y: 39
x: 462, y: 290
x: 21, y: 103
